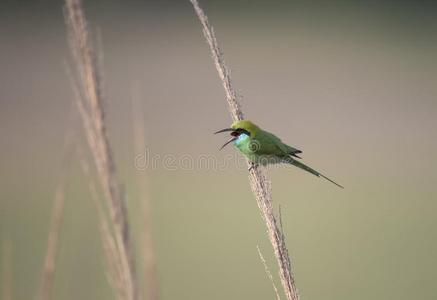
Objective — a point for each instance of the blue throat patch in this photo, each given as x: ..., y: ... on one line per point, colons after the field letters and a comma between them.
x: 241, y: 139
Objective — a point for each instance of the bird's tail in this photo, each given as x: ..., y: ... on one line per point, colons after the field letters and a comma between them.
x: 298, y: 164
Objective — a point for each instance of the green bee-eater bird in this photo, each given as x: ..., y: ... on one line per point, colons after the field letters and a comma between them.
x: 263, y: 148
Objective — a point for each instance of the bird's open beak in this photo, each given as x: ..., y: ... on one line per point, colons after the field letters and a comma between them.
x: 230, y: 141
x: 233, y: 133
x: 224, y: 130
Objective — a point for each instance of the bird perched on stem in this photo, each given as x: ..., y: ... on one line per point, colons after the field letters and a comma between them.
x: 263, y: 148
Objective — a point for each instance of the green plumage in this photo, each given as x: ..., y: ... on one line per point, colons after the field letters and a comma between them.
x: 262, y: 147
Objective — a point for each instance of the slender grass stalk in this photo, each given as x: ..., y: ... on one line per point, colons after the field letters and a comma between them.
x: 113, y: 273
x: 269, y: 274
x: 90, y: 99
x: 48, y: 272
x: 258, y: 181
x: 148, y: 251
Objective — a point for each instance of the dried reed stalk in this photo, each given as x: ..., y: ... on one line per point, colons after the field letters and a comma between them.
x: 148, y: 251
x: 269, y: 274
x: 90, y: 98
x: 113, y: 273
x: 258, y: 181
x: 48, y: 272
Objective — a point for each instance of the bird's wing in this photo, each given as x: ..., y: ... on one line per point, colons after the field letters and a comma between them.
x: 302, y: 166
x: 271, y: 144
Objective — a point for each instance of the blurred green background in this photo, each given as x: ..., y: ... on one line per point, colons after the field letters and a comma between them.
x: 351, y: 83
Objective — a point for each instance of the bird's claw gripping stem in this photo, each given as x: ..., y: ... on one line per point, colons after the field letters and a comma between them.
x: 252, y: 165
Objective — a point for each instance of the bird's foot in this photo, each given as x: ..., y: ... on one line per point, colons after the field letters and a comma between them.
x: 252, y: 165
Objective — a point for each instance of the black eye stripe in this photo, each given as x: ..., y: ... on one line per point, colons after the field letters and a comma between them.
x: 242, y: 130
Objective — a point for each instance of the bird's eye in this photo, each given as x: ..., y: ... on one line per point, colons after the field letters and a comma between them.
x: 241, y: 130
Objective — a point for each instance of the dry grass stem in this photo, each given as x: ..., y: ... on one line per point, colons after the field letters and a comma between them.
x: 90, y: 101
x: 48, y: 272
x: 269, y: 274
x: 109, y: 245
x: 52, y: 244
x: 219, y: 62
x: 148, y: 251
x: 259, y: 184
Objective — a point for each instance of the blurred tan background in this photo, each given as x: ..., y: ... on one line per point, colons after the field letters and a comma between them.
x: 351, y: 83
